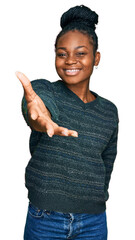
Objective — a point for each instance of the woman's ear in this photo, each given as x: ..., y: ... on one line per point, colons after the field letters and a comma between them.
x: 97, y: 58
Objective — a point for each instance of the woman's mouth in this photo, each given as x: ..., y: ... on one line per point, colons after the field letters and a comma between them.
x: 72, y: 72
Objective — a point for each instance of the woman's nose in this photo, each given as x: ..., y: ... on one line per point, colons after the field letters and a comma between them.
x: 71, y: 60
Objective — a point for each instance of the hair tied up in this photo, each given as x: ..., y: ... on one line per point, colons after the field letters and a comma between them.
x: 79, y: 15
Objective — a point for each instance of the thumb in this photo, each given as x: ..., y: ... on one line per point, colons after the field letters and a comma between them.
x: 28, y: 90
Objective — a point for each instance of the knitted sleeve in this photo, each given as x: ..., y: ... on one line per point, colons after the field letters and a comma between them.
x: 44, y: 90
x: 109, y: 155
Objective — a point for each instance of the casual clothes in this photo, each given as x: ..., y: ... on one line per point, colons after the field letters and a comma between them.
x: 68, y: 174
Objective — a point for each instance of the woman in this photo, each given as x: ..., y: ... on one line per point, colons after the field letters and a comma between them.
x: 73, y: 142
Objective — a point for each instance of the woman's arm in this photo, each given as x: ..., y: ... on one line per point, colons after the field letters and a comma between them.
x: 109, y: 155
x: 39, y: 116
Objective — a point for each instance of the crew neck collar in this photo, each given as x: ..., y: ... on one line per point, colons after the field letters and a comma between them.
x: 77, y: 99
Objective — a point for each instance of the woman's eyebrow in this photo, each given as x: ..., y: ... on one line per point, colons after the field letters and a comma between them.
x: 64, y: 48
x: 81, y: 47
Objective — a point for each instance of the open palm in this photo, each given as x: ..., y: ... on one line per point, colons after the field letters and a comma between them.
x: 39, y: 116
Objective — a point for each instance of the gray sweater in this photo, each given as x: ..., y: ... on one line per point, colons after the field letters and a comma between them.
x: 68, y: 174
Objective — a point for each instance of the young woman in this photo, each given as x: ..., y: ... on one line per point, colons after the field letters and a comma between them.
x: 73, y: 141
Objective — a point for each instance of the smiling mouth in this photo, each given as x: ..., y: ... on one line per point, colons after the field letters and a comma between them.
x: 72, y: 71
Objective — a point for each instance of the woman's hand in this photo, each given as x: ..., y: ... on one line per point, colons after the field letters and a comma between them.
x: 39, y: 116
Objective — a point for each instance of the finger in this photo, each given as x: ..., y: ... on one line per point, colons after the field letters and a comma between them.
x: 45, y: 126
x: 49, y: 129
x: 72, y: 133
x: 29, y: 92
x: 23, y: 79
x: 33, y: 114
x: 65, y: 132
x: 62, y: 131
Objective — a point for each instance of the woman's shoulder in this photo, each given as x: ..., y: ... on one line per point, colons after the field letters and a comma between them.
x: 108, y: 102
x: 42, y: 83
x: 109, y: 106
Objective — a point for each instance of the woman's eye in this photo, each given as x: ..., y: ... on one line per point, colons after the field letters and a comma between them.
x: 81, y: 53
x: 61, y: 54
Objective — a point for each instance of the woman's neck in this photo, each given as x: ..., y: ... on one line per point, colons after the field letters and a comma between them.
x: 82, y: 91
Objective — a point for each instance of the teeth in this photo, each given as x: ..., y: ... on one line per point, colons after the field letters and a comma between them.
x: 72, y: 70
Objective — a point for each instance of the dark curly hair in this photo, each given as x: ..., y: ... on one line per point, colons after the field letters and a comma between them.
x: 79, y: 18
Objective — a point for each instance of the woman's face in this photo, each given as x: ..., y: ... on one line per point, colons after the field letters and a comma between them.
x: 74, y: 57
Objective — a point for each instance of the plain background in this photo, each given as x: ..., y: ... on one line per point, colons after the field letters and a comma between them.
x: 28, y: 30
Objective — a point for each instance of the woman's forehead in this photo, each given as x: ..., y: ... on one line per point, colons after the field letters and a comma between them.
x: 73, y: 38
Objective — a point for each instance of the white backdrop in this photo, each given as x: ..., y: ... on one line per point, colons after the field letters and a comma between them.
x: 28, y: 30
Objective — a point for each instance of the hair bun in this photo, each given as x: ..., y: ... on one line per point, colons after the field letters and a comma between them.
x: 79, y: 15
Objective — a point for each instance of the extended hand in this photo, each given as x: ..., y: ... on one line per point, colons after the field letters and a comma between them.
x: 39, y: 116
